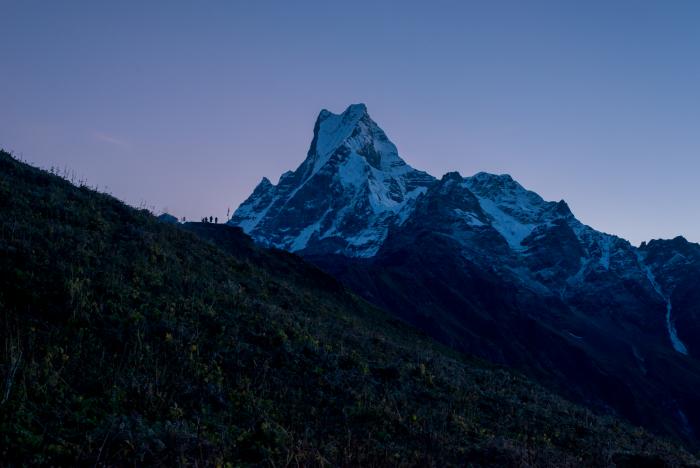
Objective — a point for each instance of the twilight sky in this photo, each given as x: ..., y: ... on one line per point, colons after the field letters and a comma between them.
x: 186, y: 105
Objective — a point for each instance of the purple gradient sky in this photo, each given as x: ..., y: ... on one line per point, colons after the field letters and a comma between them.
x: 187, y: 106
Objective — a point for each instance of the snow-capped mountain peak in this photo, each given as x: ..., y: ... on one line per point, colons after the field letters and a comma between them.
x: 353, y: 130
x: 351, y: 188
x: 330, y: 131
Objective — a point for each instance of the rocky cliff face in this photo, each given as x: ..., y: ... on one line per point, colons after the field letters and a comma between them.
x: 491, y: 268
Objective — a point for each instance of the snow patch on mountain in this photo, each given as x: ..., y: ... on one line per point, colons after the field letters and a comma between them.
x: 469, y: 218
x: 678, y: 345
x: 676, y: 342
x: 514, y: 211
x: 511, y: 228
x: 255, y: 208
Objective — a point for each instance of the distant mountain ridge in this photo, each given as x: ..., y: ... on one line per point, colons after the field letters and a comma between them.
x: 491, y: 268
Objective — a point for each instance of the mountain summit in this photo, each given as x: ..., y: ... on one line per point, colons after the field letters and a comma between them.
x: 343, y: 198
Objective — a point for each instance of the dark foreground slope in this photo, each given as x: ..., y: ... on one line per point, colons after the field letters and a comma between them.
x: 129, y: 341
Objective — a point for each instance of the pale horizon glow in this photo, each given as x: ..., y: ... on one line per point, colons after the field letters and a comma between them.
x: 186, y: 108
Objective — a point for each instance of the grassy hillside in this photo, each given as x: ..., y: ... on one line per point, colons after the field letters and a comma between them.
x: 130, y: 341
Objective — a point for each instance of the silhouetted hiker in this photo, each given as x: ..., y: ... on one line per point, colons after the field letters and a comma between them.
x: 216, y: 220
x: 211, y: 220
